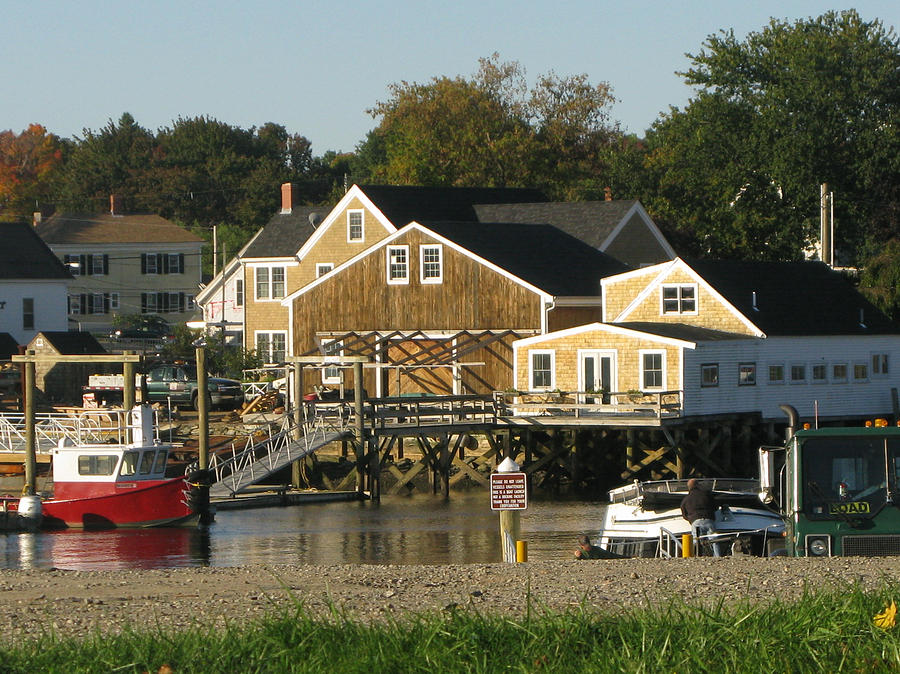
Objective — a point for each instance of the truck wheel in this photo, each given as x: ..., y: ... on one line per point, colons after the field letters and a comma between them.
x: 195, y: 402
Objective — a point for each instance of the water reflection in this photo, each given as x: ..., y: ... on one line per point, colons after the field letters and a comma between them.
x: 399, y: 530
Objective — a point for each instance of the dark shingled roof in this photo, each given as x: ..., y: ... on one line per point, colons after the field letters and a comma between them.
x: 73, y: 228
x: 286, y: 233
x: 23, y: 255
x: 794, y: 298
x: 401, y: 204
x: 73, y: 343
x: 8, y: 346
x: 590, y: 221
x: 542, y: 255
x: 688, y: 333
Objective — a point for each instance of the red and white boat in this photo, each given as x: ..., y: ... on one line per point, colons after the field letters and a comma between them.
x: 101, y: 486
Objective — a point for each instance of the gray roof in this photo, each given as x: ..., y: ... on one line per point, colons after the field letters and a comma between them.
x: 541, y: 255
x: 73, y: 228
x: 73, y: 343
x: 794, y: 298
x: 688, y: 333
x: 590, y: 221
x: 285, y: 233
x: 24, y: 255
x: 401, y: 204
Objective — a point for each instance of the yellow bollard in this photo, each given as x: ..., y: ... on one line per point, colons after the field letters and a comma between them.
x: 687, y: 545
x: 521, y: 551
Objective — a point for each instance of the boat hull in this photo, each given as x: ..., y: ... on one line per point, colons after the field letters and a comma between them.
x: 150, y: 504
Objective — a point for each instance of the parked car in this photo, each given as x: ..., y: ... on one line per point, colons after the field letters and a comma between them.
x: 177, y: 382
x: 147, y: 332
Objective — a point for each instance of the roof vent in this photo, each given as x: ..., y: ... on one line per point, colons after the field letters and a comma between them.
x: 862, y: 318
x: 754, y: 302
x: 314, y: 219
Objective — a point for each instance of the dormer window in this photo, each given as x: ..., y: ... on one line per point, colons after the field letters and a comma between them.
x: 355, y: 225
x: 679, y: 299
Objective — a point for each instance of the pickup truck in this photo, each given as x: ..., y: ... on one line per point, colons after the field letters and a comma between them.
x: 178, y: 383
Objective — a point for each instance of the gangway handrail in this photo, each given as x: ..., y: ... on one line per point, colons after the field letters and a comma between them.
x: 668, y: 542
x: 81, y: 427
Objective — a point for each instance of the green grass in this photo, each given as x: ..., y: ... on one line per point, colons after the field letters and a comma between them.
x: 822, y: 632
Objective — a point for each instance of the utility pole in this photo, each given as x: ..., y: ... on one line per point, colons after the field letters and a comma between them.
x: 826, y: 225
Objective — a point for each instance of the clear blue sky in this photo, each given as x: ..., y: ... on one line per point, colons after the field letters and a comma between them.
x: 316, y: 66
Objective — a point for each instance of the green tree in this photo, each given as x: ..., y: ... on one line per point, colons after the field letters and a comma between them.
x: 777, y: 114
x: 880, y: 279
x: 490, y: 130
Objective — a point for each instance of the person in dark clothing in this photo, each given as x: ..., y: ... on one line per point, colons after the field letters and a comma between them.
x: 699, y: 508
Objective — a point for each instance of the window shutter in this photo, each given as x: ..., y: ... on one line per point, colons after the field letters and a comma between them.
x: 83, y: 301
x: 90, y: 265
x: 82, y: 265
x: 159, y: 264
x: 165, y: 263
x: 105, y: 264
x: 105, y: 303
x: 180, y: 301
x: 143, y: 265
x: 180, y: 263
x: 143, y: 299
x: 162, y: 302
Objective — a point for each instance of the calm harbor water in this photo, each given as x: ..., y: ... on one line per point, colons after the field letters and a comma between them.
x: 399, y: 530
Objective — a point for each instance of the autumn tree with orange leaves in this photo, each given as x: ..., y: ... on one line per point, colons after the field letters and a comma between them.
x: 27, y: 163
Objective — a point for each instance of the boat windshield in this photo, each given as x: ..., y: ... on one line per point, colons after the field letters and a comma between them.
x: 848, y: 476
x: 129, y: 463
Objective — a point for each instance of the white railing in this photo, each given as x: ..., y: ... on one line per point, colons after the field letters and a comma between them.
x: 80, y: 427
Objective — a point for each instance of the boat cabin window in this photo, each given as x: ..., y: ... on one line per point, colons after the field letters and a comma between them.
x: 147, y: 462
x: 97, y: 465
x: 161, y: 458
x: 129, y: 463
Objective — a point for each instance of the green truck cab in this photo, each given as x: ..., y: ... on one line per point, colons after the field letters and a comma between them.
x: 838, y: 489
x: 176, y: 383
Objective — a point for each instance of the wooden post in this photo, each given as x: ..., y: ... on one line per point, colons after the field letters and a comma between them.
x: 206, y: 516
x: 359, y: 426
x: 30, y: 488
x: 295, y: 384
x: 127, y: 394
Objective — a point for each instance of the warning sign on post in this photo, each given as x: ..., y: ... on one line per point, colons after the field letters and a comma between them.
x: 508, y: 491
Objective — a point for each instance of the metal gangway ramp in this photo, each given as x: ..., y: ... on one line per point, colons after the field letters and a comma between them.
x: 266, y: 452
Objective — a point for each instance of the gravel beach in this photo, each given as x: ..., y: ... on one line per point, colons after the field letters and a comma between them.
x: 83, y: 603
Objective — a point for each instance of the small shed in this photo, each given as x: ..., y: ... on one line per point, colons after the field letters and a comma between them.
x: 62, y: 382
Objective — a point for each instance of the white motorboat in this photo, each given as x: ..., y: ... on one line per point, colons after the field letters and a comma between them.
x: 644, y: 519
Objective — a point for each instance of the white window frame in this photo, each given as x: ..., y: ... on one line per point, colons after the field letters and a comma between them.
x: 680, y: 299
x: 151, y: 305
x: 269, y: 334
x: 323, y: 268
x: 175, y: 263
x: 97, y: 266
x: 150, y: 266
x: 332, y: 374
x: 239, y: 292
x: 749, y: 367
x: 75, y: 304
x: 709, y: 368
x: 837, y: 379
x: 857, y: 367
x: 269, y: 283
x: 779, y: 381
x: 541, y: 352
x: 812, y: 373
x: 423, y: 251
x: 98, y: 305
x: 351, y: 225
x: 397, y: 280
x: 642, y: 369
x: 802, y: 370
x: 880, y: 367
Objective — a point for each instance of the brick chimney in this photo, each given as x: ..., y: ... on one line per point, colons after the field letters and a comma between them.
x: 287, y: 198
x: 116, y: 205
x: 607, y: 193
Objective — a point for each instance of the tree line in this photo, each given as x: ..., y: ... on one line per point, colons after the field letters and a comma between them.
x: 735, y: 173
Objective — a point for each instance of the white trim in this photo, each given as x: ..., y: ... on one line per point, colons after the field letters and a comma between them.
x: 541, y: 352
x: 270, y: 283
x: 389, y: 263
x: 440, y: 263
x: 270, y: 333
x: 321, y: 268
x: 612, y: 354
x: 666, y: 269
x: 652, y: 352
x: 680, y: 300
x: 654, y: 230
x: 389, y: 240
x: 362, y: 225
x: 355, y: 192
x: 604, y: 327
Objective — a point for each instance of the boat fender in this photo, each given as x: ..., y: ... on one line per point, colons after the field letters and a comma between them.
x: 30, y: 510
